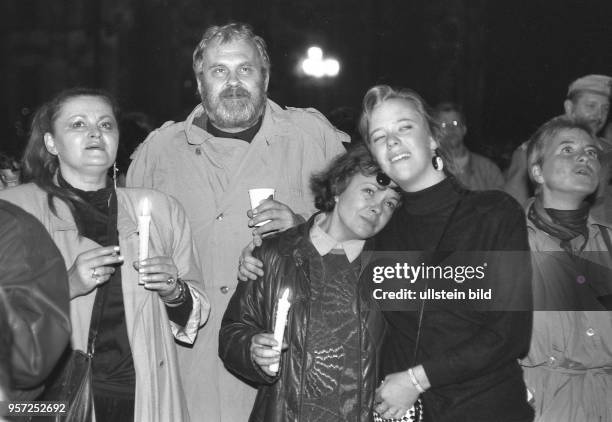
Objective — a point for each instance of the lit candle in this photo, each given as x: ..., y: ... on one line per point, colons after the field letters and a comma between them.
x: 144, y: 221
x: 279, y: 326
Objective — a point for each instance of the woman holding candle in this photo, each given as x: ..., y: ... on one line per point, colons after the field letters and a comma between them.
x: 463, y: 363
x: 334, y: 329
x: 72, y: 145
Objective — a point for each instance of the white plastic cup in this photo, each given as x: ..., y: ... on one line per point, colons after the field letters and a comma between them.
x: 259, y: 195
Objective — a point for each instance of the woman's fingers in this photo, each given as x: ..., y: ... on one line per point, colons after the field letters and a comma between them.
x: 99, y: 252
x: 103, y: 261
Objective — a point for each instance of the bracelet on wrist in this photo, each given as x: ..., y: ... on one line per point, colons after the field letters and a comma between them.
x: 415, y: 382
x: 180, y: 297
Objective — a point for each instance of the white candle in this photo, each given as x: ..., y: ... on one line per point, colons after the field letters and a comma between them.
x: 144, y: 221
x: 279, y: 326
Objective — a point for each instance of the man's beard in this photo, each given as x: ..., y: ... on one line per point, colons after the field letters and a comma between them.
x: 234, y: 107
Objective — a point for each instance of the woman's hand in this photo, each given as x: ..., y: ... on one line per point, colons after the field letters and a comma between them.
x: 159, y: 274
x: 262, y: 352
x: 92, y: 268
x: 395, y: 396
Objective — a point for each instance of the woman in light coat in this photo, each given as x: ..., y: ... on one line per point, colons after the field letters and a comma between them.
x: 568, y: 371
x: 95, y: 226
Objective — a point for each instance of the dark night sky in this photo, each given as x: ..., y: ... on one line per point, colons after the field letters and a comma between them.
x: 509, y: 62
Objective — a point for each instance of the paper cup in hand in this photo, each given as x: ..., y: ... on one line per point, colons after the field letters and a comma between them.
x: 259, y: 195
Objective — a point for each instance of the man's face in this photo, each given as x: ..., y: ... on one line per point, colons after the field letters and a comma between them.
x: 453, y: 128
x: 232, y: 85
x: 591, y: 107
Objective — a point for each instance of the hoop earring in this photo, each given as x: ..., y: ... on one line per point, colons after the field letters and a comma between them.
x: 115, y: 170
x: 382, y: 179
x: 436, y: 161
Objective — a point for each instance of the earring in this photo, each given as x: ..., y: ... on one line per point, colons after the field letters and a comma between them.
x: 436, y: 161
x: 115, y: 170
x: 382, y: 179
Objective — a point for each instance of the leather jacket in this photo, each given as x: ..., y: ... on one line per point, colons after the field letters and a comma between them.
x: 287, y: 258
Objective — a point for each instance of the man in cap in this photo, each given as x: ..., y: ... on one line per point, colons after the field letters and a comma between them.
x: 588, y: 98
x: 473, y: 170
x: 235, y: 140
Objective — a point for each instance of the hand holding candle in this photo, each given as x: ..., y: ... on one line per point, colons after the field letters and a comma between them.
x: 144, y: 221
x: 279, y: 326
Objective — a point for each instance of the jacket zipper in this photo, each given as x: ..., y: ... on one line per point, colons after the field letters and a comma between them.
x: 361, y: 346
x: 305, y: 347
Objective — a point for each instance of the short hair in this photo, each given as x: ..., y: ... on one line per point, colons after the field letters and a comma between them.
x: 380, y: 93
x: 335, y: 178
x: 538, y: 141
x: 39, y: 165
x: 232, y: 31
x: 448, y: 107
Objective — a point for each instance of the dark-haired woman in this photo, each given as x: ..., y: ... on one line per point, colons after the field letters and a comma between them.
x: 334, y: 330
x: 72, y: 145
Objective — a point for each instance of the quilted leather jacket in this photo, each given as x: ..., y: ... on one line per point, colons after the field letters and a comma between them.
x: 287, y: 259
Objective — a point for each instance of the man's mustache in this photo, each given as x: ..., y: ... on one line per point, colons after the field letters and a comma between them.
x: 235, y: 92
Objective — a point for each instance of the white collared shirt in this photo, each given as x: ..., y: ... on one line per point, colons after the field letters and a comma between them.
x: 324, y: 243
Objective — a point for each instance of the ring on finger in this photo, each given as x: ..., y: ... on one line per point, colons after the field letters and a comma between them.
x: 171, y: 280
x: 93, y: 273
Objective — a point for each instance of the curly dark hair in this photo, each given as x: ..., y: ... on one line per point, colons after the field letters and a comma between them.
x: 335, y: 178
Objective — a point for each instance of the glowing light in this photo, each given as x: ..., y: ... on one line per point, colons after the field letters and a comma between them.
x: 332, y: 67
x: 315, y: 53
x: 317, y: 66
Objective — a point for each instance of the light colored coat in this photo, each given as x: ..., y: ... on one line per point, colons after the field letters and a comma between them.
x: 211, y: 177
x: 569, y: 366
x: 160, y: 396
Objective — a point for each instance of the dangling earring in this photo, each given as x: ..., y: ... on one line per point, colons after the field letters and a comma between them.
x: 436, y: 161
x: 382, y: 179
x: 115, y: 170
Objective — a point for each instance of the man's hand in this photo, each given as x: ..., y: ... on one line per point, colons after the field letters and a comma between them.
x: 280, y: 215
x: 249, y: 267
x: 395, y: 396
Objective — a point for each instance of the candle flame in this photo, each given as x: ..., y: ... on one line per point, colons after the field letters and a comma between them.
x: 145, y: 207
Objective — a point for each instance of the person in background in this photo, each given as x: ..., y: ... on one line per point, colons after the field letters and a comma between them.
x: 588, y: 98
x: 333, y: 318
x: 135, y: 375
x: 475, y: 171
x: 235, y: 140
x: 9, y: 172
x: 134, y: 127
x: 568, y: 370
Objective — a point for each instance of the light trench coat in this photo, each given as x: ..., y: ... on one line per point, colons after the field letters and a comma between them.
x: 569, y: 366
x: 211, y: 178
x: 160, y: 394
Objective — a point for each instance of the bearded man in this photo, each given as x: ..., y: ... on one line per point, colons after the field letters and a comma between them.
x: 235, y: 140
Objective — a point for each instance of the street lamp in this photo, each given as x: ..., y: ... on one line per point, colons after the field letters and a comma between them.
x: 317, y: 66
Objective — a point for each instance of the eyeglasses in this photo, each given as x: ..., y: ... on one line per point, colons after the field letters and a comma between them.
x: 451, y: 124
